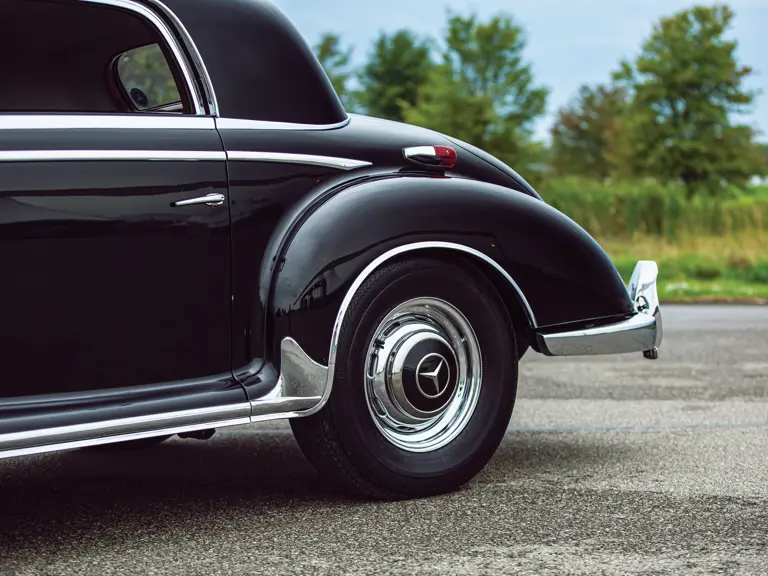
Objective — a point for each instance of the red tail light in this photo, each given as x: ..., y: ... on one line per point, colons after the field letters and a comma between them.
x: 434, y: 156
x: 447, y: 156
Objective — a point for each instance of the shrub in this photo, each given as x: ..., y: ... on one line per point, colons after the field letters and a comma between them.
x: 624, y: 209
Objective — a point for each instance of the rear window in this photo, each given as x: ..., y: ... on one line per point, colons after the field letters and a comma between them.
x: 145, y: 76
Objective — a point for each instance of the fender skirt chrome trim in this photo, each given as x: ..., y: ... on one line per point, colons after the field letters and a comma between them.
x: 642, y: 332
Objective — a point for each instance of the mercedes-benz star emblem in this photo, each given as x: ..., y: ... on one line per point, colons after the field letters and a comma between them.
x: 432, y: 376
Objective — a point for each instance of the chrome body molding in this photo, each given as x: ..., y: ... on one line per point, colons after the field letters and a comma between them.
x: 308, y: 159
x: 300, y: 390
x: 237, y: 124
x: 104, y: 122
x: 108, y: 431
x: 109, y: 155
x: 169, y: 38
x: 197, y: 59
x: 389, y: 255
x: 642, y: 332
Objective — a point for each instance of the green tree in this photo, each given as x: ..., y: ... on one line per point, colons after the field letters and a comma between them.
x: 336, y: 62
x: 686, y: 88
x: 482, y: 92
x: 588, y: 136
x: 397, y: 68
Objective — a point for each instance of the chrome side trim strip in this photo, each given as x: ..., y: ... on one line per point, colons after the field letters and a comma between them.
x: 238, y: 124
x: 300, y: 390
x: 387, y: 256
x: 104, y: 122
x: 643, y: 332
x: 107, y: 431
x: 109, y: 155
x: 310, y: 159
x: 170, y: 39
x: 197, y: 59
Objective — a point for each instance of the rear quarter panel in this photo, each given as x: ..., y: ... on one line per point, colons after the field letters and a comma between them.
x: 565, y: 275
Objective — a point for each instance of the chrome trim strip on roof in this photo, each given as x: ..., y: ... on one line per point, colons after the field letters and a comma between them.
x: 197, y: 59
x: 307, y: 159
x: 170, y: 39
x: 109, y: 155
x: 136, y: 121
x: 387, y: 256
x: 238, y: 124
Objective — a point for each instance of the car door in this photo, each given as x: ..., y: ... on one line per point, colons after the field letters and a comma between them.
x: 114, y: 232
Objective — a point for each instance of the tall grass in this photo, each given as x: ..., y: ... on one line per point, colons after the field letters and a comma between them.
x: 624, y: 209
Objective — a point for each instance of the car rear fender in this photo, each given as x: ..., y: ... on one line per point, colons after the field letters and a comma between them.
x: 557, y: 272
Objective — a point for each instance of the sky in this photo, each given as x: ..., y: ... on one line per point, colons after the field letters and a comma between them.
x: 570, y: 42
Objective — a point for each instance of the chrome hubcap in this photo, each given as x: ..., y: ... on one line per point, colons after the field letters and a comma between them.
x: 423, y: 374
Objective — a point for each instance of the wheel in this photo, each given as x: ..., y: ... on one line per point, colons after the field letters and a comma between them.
x: 424, y: 384
x: 140, y: 444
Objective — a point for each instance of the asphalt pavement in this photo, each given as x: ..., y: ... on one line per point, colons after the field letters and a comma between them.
x: 612, y: 465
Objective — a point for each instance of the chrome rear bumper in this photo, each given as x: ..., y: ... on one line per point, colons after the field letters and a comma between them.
x: 640, y: 333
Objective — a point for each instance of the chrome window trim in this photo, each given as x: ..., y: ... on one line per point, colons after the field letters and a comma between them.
x: 306, y: 159
x: 197, y: 59
x: 239, y: 124
x: 134, y: 121
x: 110, y: 155
x: 169, y: 38
x: 375, y: 264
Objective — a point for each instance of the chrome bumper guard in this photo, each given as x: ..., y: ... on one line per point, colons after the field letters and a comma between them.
x: 640, y: 333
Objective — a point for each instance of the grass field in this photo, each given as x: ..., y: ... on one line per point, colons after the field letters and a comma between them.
x: 700, y: 269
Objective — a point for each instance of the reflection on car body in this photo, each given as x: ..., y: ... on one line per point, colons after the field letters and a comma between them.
x: 195, y: 234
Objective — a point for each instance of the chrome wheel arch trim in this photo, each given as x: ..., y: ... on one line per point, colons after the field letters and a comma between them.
x: 376, y: 263
x: 173, y: 44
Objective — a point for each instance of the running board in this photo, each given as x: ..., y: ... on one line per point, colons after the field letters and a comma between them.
x: 301, y: 390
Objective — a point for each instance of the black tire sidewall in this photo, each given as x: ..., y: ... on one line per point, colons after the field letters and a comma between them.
x: 370, y: 452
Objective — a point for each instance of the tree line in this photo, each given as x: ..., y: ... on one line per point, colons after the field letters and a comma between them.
x: 671, y: 114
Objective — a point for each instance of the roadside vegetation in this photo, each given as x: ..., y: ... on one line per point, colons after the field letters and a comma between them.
x: 655, y: 162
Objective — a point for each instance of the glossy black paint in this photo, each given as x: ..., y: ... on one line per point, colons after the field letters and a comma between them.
x: 118, y: 305
x: 105, y: 285
x: 562, y: 271
x: 260, y: 66
x: 268, y: 199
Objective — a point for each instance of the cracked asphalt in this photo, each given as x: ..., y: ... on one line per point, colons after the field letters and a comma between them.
x: 612, y: 465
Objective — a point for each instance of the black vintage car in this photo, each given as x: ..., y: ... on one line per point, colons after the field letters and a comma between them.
x: 194, y: 234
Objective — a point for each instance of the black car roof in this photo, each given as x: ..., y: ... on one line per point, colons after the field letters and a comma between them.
x: 260, y: 66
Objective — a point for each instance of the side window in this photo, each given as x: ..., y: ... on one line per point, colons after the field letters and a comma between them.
x: 145, y: 78
x: 70, y: 56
